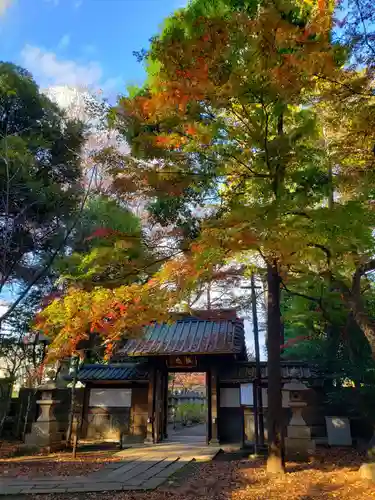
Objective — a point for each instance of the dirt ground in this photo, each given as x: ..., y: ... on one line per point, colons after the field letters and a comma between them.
x: 333, y: 473
x: 54, y: 464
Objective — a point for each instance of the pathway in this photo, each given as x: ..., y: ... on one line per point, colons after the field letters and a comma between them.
x: 192, y: 434
x: 142, y: 468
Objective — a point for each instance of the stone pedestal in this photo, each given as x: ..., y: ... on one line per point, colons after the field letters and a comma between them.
x: 45, y: 431
x: 298, y: 443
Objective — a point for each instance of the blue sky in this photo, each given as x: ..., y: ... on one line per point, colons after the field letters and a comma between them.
x: 81, y: 42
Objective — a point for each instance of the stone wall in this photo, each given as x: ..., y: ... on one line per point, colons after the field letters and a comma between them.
x: 107, y: 424
x: 96, y: 423
x: 117, y: 423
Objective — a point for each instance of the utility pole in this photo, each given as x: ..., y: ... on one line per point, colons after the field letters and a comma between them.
x: 258, y: 406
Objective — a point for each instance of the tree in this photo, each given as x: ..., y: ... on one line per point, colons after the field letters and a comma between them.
x: 326, y: 334
x: 40, y: 179
x: 328, y: 337
x: 355, y: 23
x: 236, y: 108
x: 224, y: 100
x: 188, y: 380
x: 21, y: 356
x: 107, y: 237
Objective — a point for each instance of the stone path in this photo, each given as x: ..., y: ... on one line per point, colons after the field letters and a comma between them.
x: 142, y: 468
x: 189, y: 434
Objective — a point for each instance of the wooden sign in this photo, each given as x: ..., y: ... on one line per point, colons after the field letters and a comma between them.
x: 182, y: 362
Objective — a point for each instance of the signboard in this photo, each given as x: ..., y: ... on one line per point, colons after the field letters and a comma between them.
x: 182, y: 362
x: 247, y: 395
x: 109, y: 398
x: 244, y: 373
x: 338, y: 431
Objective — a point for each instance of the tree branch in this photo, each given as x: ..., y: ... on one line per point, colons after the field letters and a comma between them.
x: 318, y: 300
x: 364, y: 27
x: 324, y: 249
x: 50, y: 261
x: 255, y: 174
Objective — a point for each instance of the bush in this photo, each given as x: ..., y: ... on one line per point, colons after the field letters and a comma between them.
x: 191, y: 412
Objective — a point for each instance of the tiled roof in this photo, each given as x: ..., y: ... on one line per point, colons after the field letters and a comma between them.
x: 189, y: 336
x: 130, y: 372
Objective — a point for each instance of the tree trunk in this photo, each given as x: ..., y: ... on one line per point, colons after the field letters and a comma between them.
x: 275, y: 462
x: 363, y: 320
x: 353, y: 300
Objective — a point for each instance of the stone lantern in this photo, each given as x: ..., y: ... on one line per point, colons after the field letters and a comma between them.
x: 299, y: 445
x: 45, y: 431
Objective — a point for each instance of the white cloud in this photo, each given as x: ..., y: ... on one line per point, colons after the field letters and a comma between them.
x: 49, y: 70
x: 69, y: 98
x: 4, y: 5
x: 78, y: 4
x: 111, y: 84
x: 3, y: 306
x: 64, y: 42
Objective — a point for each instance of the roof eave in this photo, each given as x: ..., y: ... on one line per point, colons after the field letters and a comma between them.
x: 182, y: 353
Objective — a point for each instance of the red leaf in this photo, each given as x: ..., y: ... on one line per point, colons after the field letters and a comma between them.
x: 293, y: 341
x: 102, y: 232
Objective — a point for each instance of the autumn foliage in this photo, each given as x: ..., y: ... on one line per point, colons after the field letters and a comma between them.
x: 253, y: 135
x: 240, y: 104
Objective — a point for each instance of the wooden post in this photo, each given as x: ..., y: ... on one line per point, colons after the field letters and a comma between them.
x: 258, y: 402
x: 256, y: 416
x: 158, y: 406
x: 166, y: 406
x: 151, y: 407
x: 209, y: 413
x: 214, y: 408
x: 72, y: 425
x: 243, y: 427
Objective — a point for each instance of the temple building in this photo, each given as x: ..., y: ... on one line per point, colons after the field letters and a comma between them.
x: 128, y: 398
